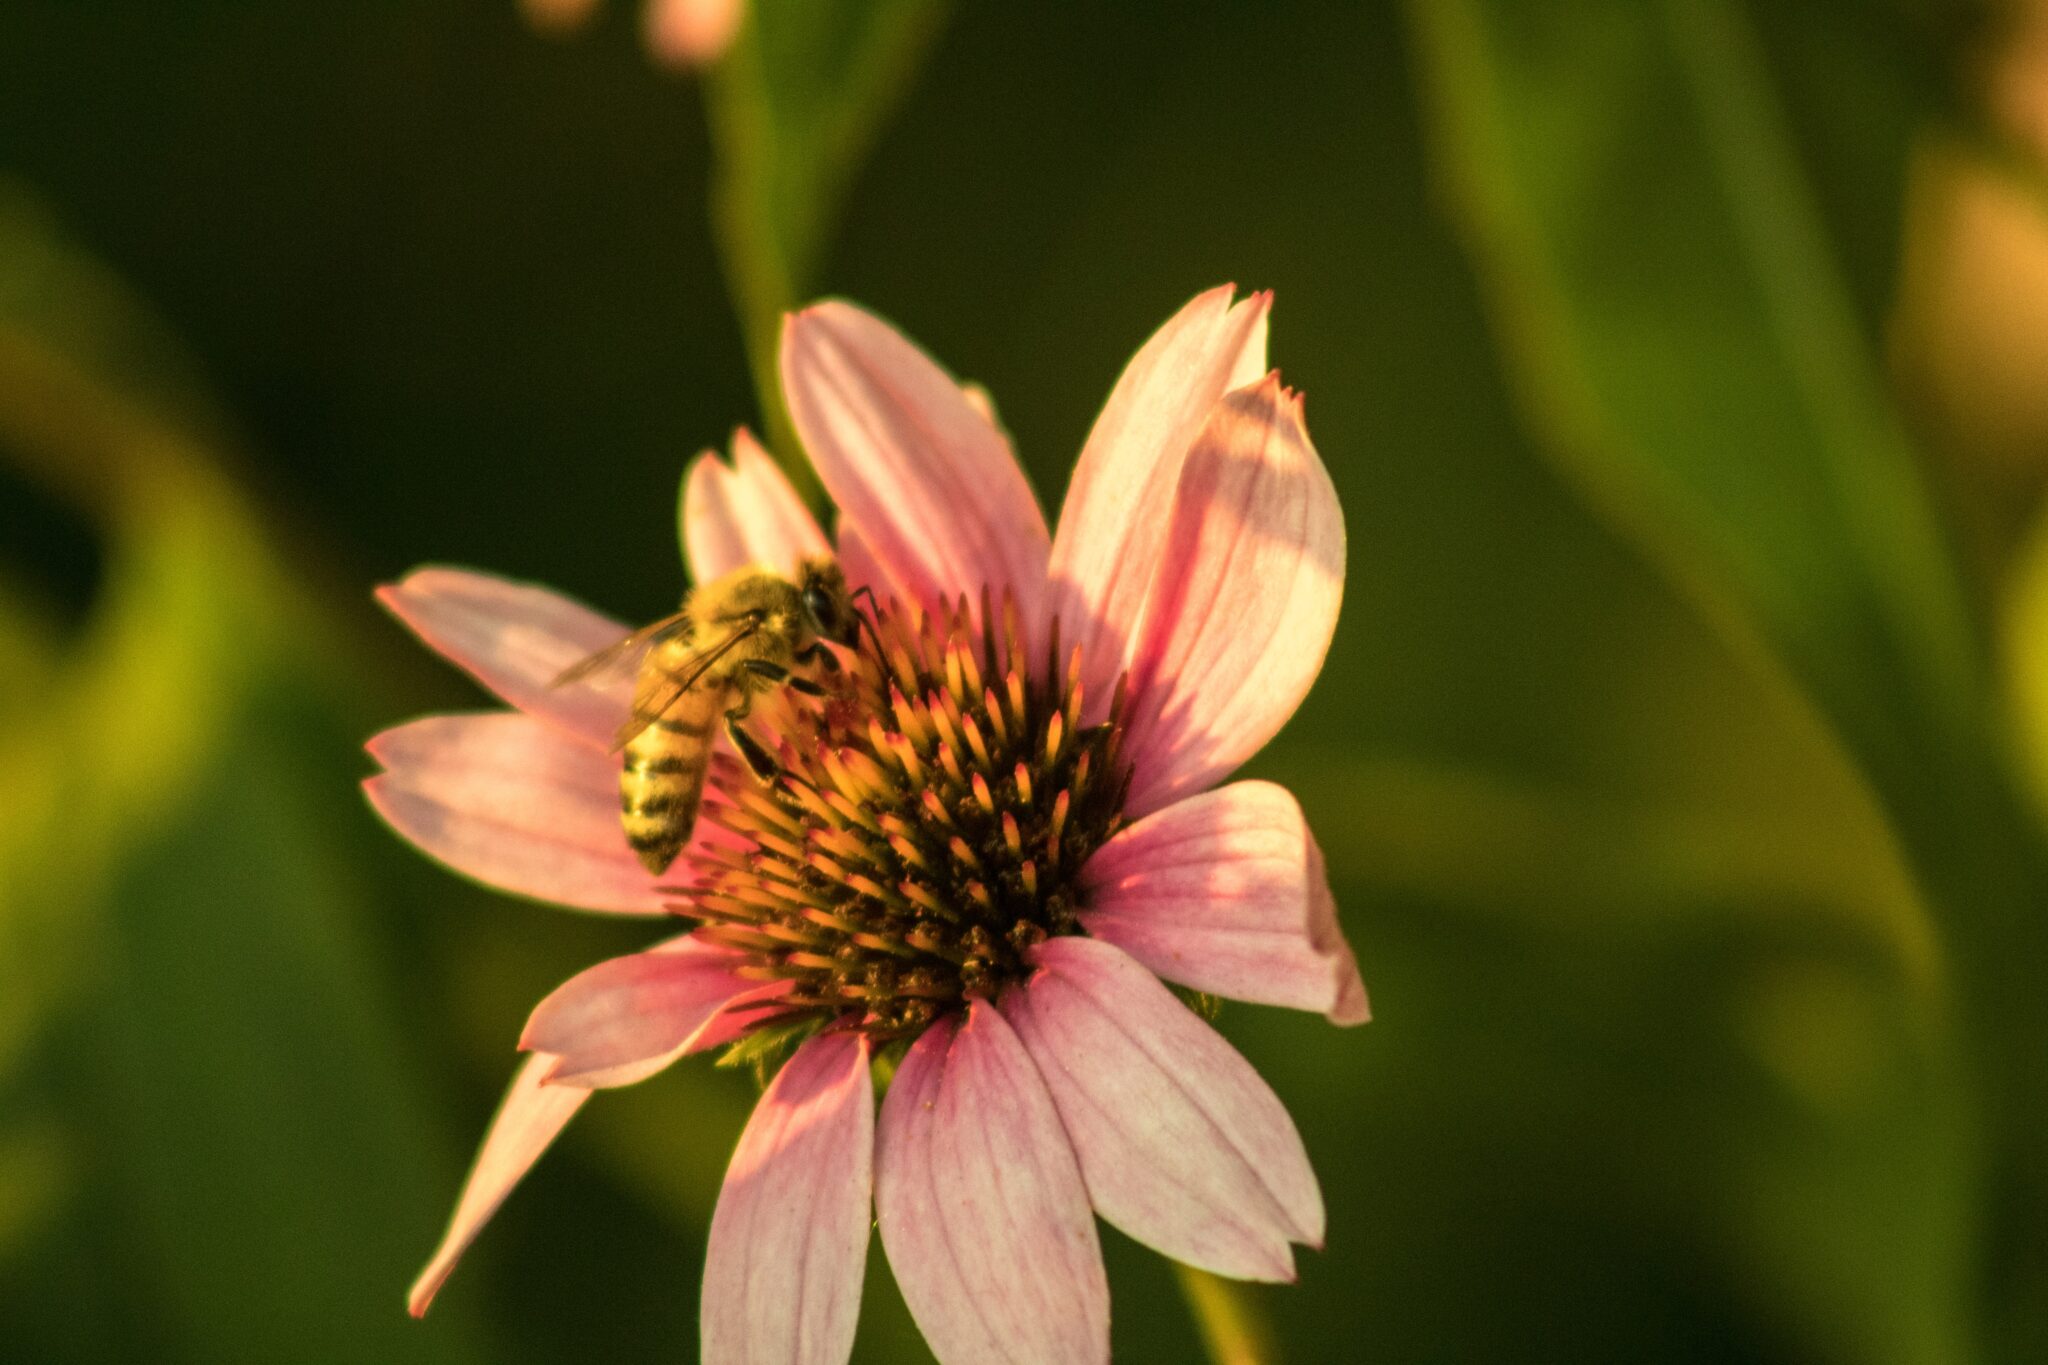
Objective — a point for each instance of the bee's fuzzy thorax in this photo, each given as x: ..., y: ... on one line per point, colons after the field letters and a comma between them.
x: 928, y: 827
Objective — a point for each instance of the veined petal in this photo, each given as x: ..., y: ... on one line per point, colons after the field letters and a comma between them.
x: 929, y: 480
x: 1225, y: 892
x: 1181, y: 1143
x: 863, y: 570
x: 500, y: 797
x: 516, y: 639
x: 1245, y: 600
x: 745, y: 513
x: 639, y: 1008
x: 981, y: 1206
x: 788, y: 1248
x: 1113, y: 523
x: 527, y: 1121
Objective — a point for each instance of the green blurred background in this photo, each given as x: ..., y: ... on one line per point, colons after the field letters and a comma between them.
x: 1683, y: 369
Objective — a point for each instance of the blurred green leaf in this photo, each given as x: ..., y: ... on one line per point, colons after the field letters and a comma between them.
x: 1689, y: 350
x: 179, y: 925
x: 794, y: 107
x: 1687, y: 345
x: 1644, y: 867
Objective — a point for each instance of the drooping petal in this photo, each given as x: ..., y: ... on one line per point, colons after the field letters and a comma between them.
x: 929, y: 480
x: 500, y: 797
x: 788, y: 1248
x: 1113, y: 523
x: 736, y: 1017
x: 644, y: 1007
x: 1245, y: 600
x: 981, y: 1206
x: 527, y: 1121
x: 516, y: 639
x: 1181, y: 1143
x: 1225, y: 892
x: 745, y: 513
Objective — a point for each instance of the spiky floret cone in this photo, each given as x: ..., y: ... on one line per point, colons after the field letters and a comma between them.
x: 930, y: 817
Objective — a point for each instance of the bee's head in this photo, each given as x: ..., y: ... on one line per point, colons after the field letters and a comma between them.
x: 828, y: 608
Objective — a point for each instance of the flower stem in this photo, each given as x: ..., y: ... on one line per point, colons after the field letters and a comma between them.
x: 759, y: 271
x: 792, y: 115
x: 1233, y: 1325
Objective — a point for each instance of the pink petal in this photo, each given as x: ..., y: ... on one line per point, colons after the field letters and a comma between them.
x: 1181, y: 1143
x: 1245, y: 600
x: 519, y: 805
x: 642, y: 1008
x: 1113, y: 524
x: 516, y: 638
x: 981, y: 1206
x: 928, y: 479
x: 863, y: 569
x: 526, y: 1122
x: 733, y: 1019
x: 745, y: 513
x: 1225, y: 892
x: 687, y: 33
x: 789, y: 1241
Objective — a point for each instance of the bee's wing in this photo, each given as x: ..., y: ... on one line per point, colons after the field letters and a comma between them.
x: 622, y: 657
x: 655, y: 703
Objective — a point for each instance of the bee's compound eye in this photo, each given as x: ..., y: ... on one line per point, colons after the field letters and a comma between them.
x: 823, y: 611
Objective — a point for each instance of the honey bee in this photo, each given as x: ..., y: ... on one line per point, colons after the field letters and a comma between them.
x: 735, y: 637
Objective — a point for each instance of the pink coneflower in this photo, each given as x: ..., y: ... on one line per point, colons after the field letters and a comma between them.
x: 1004, y: 826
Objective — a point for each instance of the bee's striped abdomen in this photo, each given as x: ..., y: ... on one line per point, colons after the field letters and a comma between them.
x: 662, y: 782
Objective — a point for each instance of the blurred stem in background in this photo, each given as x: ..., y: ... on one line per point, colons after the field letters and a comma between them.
x: 1227, y: 1313
x: 794, y: 108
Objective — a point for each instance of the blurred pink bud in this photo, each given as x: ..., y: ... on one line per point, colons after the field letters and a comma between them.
x: 679, y: 33
x: 686, y: 33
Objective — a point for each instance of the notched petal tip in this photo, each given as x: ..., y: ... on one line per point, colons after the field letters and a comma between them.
x: 1273, y: 394
x: 515, y: 638
x: 516, y: 804
x: 1245, y: 601
x: 1113, y: 524
x: 743, y: 510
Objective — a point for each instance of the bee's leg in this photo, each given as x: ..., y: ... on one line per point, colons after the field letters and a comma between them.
x: 754, y: 753
x: 781, y: 677
x: 818, y: 654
